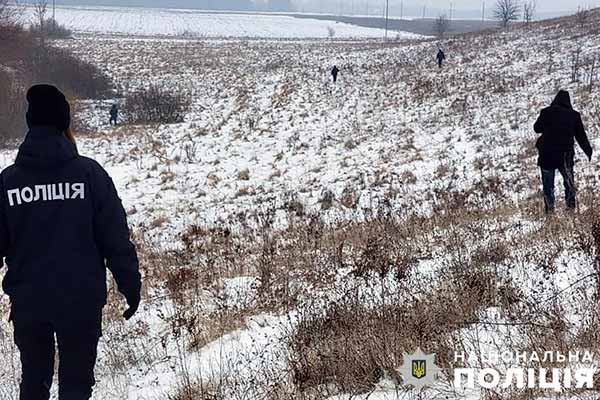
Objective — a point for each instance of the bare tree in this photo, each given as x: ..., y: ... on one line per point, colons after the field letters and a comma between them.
x: 40, y: 9
x: 330, y: 32
x: 441, y: 26
x: 582, y: 15
x: 507, y: 11
x: 529, y: 10
x: 10, y: 12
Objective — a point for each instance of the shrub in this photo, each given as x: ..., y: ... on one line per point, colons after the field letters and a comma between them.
x: 79, y: 78
x: 23, y: 62
x: 50, y: 29
x: 12, y: 110
x: 156, y: 104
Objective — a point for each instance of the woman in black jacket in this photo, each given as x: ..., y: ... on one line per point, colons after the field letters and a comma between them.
x: 61, y: 226
x: 560, y: 127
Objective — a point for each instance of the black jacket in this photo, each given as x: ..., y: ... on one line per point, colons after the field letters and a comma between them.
x: 61, y: 225
x: 560, y: 126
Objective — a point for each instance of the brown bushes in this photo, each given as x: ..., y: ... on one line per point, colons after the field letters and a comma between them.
x: 79, y: 78
x: 23, y: 62
x: 157, y: 104
x: 12, y: 107
x: 50, y: 29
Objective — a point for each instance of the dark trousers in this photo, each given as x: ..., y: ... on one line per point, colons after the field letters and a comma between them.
x: 77, y: 350
x: 113, y: 120
x: 334, y: 78
x: 568, y: 175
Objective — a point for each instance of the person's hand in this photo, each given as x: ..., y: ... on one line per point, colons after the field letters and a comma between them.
x: 133, y: 301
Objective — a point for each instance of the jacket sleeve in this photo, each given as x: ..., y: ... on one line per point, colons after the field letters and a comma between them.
x: 112, y: 236
x: 582, y: 138
x: 539, y: 124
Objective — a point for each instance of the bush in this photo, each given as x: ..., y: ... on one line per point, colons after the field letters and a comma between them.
x: 156, y: 104
x: 12, y: 108
x: 23, y: 62
x: 50, y: 29
x: 79, y: 78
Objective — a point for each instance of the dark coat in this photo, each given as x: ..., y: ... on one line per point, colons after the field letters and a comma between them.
x: 441, y: 56
x: 335, y: 71
x: 559, y: 126
x: 114, y: 111
x: 61, y: 226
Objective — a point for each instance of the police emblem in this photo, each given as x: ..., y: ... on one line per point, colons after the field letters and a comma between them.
x: 419, y: 369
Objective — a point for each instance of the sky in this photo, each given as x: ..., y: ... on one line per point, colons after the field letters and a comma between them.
x: 432, y: 8
x: 409, y: 8
x: 543, y: 6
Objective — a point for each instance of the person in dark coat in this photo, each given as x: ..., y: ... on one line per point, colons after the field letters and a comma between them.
x: 114, y: 114
x: 440, y: 58
x: 61, y: 226
x: 560, y: 126
x: 334, y: 72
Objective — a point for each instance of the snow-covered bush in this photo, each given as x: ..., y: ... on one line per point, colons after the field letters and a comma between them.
x: 156, y: 104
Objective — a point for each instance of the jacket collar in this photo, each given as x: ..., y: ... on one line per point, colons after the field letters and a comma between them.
x: 45, y: 148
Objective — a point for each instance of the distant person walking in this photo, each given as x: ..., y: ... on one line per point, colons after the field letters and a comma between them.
x: 62, y: 226
x: 440, y: 58
x: 560, y: 125
x: 114, y: 115
x: 334, y: 73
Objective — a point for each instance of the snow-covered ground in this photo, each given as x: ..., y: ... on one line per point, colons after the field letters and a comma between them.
x: 269, y: 133
x: 193, y: 23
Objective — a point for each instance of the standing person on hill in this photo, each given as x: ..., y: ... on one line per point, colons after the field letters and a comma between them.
x: 334, y: 72
x: 440, y: 58
x: 61, y: 226
x: 114, y: 114
x: 560, y: 126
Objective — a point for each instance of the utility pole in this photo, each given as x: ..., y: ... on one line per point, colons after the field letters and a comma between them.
x: 483, y: 12
x: 401, y: 9
x: 54, y: 14
x: 387, y: 14
x: 424, y: 10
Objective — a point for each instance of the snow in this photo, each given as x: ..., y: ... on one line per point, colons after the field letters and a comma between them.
x: 198, y: 24
x: 394, y: 130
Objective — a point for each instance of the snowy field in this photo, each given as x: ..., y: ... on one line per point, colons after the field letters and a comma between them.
x: 402, y: 203
x: 190, y: 23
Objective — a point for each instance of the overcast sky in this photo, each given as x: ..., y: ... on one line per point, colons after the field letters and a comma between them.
x: 542, y: 5
x: 464, y: 8
x: 409, y: 8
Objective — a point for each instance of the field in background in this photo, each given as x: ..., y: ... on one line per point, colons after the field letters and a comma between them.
x: 198, y: 24
x: 297, y: 237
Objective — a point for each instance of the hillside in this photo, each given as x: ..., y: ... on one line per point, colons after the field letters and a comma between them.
x: 298, y: 238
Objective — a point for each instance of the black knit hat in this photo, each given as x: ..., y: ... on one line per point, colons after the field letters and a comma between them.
x: 48, y: 107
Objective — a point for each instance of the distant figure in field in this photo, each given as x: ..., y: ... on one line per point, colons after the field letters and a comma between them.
x: 560, y: 125
x: 114, y: 114
x: 440, y: 58
x: 334, y: 72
